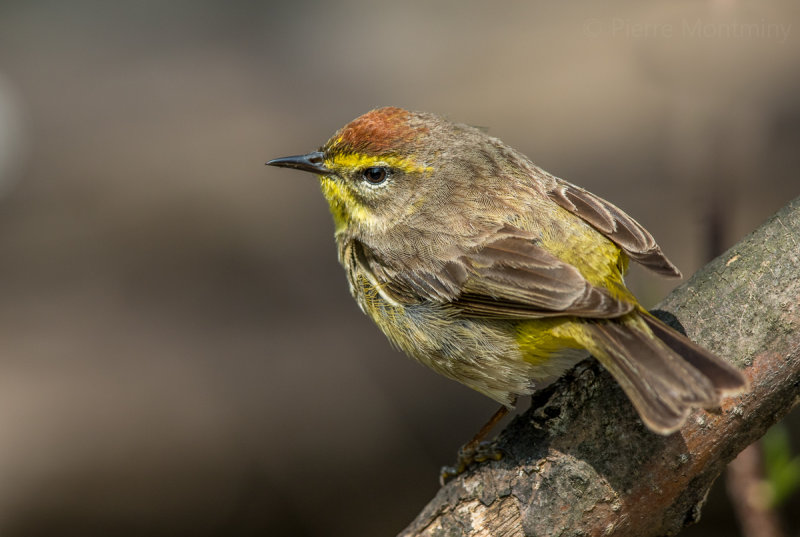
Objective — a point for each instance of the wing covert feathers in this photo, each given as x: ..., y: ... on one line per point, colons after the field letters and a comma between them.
x: 612, y: 222
x: 512, y: 277
x: 508, y: 277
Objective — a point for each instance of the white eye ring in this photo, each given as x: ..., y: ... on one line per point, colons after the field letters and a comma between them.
x: 375, y: 175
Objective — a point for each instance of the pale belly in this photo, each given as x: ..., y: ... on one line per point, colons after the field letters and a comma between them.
x: 492, y: 356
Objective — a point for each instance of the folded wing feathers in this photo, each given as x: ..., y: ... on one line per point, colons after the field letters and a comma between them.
x: 529, y: 282
x: 510, y: 277
x: 612, y: 222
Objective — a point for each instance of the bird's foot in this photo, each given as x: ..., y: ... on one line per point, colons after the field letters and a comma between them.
x: 477, y: 450
x: 471, y: 453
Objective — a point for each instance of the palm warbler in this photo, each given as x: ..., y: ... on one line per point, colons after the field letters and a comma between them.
x: 495, y: 273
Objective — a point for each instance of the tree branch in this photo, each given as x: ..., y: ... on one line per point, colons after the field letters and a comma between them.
x: 580, y: 462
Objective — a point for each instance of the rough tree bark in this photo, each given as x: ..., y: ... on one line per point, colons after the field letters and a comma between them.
x: 580, y: 463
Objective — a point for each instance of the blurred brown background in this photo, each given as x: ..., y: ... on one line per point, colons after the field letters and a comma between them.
x: 179, y: 353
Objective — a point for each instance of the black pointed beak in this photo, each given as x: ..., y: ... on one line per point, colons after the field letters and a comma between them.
x: 313, y: 162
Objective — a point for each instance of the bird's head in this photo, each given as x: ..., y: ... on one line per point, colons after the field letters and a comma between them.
x: 383, y: 167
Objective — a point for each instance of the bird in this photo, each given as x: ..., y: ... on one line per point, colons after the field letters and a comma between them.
x: 497, y: 274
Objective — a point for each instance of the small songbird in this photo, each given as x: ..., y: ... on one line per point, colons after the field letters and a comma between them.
x: 495, y: 273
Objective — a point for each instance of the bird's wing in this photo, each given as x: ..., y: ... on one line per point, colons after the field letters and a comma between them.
x: 508, y: 276
x: 612, y: 222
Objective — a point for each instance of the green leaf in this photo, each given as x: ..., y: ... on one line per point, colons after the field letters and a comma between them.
x: 781, y: 468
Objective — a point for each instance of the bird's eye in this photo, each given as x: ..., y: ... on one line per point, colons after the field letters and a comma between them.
x: 375, y: 175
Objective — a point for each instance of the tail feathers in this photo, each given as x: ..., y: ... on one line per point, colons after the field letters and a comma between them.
x: 726, y: 378
x: 662, y: 373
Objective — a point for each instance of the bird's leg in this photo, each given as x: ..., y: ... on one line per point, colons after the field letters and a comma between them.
x: 476, y: 450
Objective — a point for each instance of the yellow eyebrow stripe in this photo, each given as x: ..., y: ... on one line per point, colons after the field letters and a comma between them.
x: 350, y: 161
